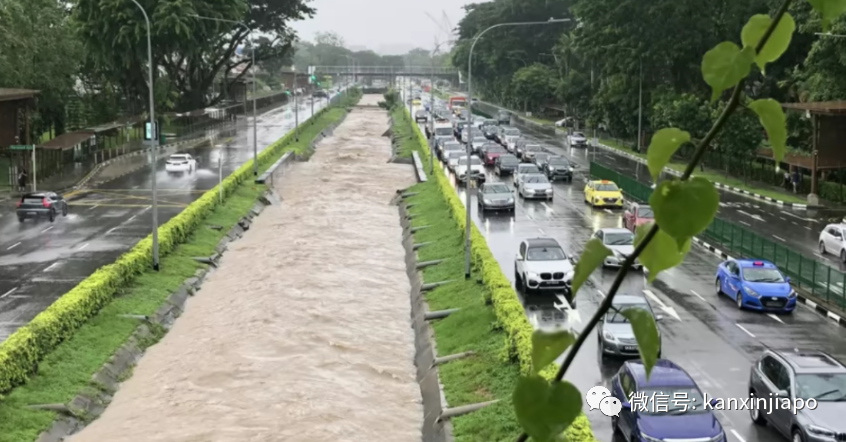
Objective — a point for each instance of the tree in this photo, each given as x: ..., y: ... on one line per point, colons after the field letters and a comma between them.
x: 189, y: 51
x: 533, y: 85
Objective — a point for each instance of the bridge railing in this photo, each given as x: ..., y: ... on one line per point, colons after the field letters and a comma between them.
x: 385, y: 70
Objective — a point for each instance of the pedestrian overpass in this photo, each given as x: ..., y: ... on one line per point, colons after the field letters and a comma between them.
x: 389, y: 71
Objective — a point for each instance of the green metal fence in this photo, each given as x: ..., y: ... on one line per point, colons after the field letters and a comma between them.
x: 821, y: 280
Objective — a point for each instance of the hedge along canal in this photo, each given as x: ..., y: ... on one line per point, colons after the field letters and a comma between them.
x: 76, y: 335
x: 490, y: 320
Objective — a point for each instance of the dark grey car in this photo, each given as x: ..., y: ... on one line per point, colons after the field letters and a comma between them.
x: 503, y: 117
x: 506, y: 164
x: 558, y: 168
x: 41, y: 205
x: 495, y: 196
x: 614, y: 332
x: 788, y: 376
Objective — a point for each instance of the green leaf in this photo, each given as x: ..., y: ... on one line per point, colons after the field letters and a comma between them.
x: 776, y: 44
x: 543, y: 410
x: 829, y: 10
x: 772, y: 118
x: 546, y: 347
x: 661, y: 253
x: 646, y: 334
x: 725, y: 65
x: 663, y: 145
x: 591, y: 258
x: 684, y: 209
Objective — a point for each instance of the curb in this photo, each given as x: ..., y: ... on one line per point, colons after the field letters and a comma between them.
x: 799, y: 296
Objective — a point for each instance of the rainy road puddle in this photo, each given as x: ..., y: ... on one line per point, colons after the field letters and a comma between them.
x: 303, y: 333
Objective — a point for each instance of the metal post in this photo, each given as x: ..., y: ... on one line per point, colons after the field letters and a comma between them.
x: 220, y: 173
x: 34, y: 169
x: 296, y: 109
x: 255, y: 99
x: 154, y: 142
x: 467, y: 219
x: 431, y: 111
x: 640, y: 110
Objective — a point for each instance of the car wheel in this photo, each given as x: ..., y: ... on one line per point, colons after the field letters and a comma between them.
x: 20, y: 219
x: 797, y: 435
x: 517, y: 280
x: 755, y: 413
x: 739, y: 301
x: 822, y: 248
x: 65, y: 210
x: 52, y: 216
x: 717, y: 289
x: 843, y: 256
x: 526, y: 289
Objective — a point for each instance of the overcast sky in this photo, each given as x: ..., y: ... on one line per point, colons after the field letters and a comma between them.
x: 384, y: 26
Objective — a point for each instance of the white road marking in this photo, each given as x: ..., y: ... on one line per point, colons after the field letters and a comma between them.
x: 549, y: 209
x: 83, y: 246
x: 131, y: 218
x: 734, y: 432
x: 600, y: 293
x: 667, y: 309
x: 541, y: 231
x: 609, y: 211
x: 795, y: 223
x: 47, y: 229
x: 782, y: 218
x: 134, y: 187
x: 13, y: 246
x: 93, y: 207
x: 779, y: 238
x: 745, y: 223
x: 744, y: 329
x: 775, y: 317
x: 807, y: 227
x: 697, y: 295
x: 9, y: 292
x: 564, y: 307
x: 799, y: 217
x: 111, y: 230
x: 755, y: 217
x: 51, y: 266
x: 147, y: 208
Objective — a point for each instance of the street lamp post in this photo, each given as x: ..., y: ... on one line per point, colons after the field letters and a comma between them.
x: 154, y: 140
x: 467, y: 219
x: 253, y: 68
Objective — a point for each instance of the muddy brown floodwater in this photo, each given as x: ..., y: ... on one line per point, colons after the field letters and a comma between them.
x: 303, y: 333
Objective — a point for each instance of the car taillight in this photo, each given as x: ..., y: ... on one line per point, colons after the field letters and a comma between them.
x: 45, y: 203
x: 18, y: 204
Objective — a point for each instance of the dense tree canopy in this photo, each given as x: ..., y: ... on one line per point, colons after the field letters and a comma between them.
x: 328, y: 49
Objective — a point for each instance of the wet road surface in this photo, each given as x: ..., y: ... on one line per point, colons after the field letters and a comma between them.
x: 40, y: 260
x: 705, y: 334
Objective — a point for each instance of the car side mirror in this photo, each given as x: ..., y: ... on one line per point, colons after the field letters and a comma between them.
x: 572, y: 260
x: 787, y: 279
x: 518, y: 257
x: 626, y: 405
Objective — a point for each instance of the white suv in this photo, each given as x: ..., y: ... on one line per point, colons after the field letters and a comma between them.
x: 542, y: 265
x: 832, y: 240
x: 180, y: 163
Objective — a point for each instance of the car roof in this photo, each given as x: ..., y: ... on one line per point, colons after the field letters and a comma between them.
x: 614, y: 230
x: 542, y: 242
x: 744, y: 263
x: 810, y: 361
x: 603, y: 182
x: 498, y: 183
x: 665, y: 373
x: 35, y: 195
x: 629, y: 299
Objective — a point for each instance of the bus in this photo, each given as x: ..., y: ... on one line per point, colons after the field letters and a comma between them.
x: 457, y: 101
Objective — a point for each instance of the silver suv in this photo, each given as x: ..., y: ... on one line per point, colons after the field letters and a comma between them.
x: 792, y: 376
x: 542, y: 265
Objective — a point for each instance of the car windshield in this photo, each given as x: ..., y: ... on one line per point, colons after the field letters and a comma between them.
x: 545, y: 254
x: 474, y: 161
x: 529, y: 169
x: 542, y: 156
x: 33, y: 200
x: 532, y: 148
x: 512, y: 132
x: 619, y: 238
x: 578, y: 135
x: 451, y: 145
x: 490, y: 122
x: 480, y: 139
x: 645, y: 212
x: 558, y: 162
x: 753, y: 274
x: 488, y: 128
x: 668, y: 400
x: 497, y: 188
x: 443, y: 131
x: 537, y: 179
x: 421, y: 113
x: 508, y: 160
x: 824, y: 387
x: 495, y: 149
x: 454, y: 156
x: 614, y: 316
x: 607, y: 187
x: 178, y: 158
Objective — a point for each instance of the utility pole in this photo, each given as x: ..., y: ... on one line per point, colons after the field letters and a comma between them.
x: 640, y: 109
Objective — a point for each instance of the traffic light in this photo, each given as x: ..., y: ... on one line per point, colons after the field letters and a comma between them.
x: 287, y: 91
x: 312, y: 79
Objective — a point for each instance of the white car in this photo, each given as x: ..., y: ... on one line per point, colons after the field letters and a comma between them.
x: 477, y: 169
x: 511, y: 142
x: 831, y: 240
x: 451, y: 147
x: 535, y: 185
x: 478, y: 142
x: 452, y: 159
x: 620, y: 242
x: 522, y: 171
x: 576, y: 139
x: 542, y: 265
x: 180, y: 163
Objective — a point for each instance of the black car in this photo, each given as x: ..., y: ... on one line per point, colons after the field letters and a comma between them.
x: 540, y: 159
x: 41, y: 205
x: 490, y: 131
x: 558, y: 168
x: 319, y: 94
x: 495, y: 196
x: 421, y: 116
x: 458, y: 128
x: 503, y: 117
x: 506, y: 164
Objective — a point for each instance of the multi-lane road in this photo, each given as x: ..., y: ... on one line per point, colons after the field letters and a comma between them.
x: 40, y: 261
x: 703, y: 333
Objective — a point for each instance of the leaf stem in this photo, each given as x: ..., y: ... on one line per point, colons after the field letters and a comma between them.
x: 701, y: 148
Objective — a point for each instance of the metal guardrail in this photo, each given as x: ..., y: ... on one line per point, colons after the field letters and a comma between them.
x: 821, y: 280
x: 385, y: 70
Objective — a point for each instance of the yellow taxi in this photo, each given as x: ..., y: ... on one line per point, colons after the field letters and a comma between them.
x: 415, y: 102
x: 456, y: 110
x: 603, y: 193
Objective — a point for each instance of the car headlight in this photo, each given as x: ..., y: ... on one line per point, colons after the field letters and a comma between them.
x: 571, y: 169
x: 751, y: 292
x: 719, y: 438
x: 510, y: 200
x: 533, y: 275
x: 569, y: 275
x: 487, y: 201
x: 792, y: 294
x: 820, y: 431
x: 609, y: 336
x: 551, y: 169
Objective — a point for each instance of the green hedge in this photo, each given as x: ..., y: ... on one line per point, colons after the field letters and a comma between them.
x: 508, y: 310
x: 21, y: 352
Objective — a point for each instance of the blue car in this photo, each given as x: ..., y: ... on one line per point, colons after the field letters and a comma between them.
x: 668, y: 406
x: 755, y: 285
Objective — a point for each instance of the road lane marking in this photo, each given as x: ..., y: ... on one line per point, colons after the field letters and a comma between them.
x: 744, y: 329
x: 795, y: 223
x: 147, y: 208
x: 609, y: 211
x: 9, y: 292
x: 807, y: 227
x: 667, y: 309
x: 131, y: 218
x: 775, y: 317
x: 600, y: 293
x: 83, y: 246
x: 755, y: 217
x: 541, y: 231
x: 111, y: 230
x: 697, y: 295
x: 47, y: 229
x: 51, y: 266
x: 549, y: 209
x: 93, y: 207
x: 13, y: 246
x: 811, y: 220
x: 779, y: 238
x: 734, y: 432
x: 744, y: 223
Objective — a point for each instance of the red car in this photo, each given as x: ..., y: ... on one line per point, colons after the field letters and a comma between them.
x: 637, y: 214
x: 492, y: 154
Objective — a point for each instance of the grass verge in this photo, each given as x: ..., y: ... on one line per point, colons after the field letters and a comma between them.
x: 404, y: 134
x: 67, y: 370
x: 496, y: 334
